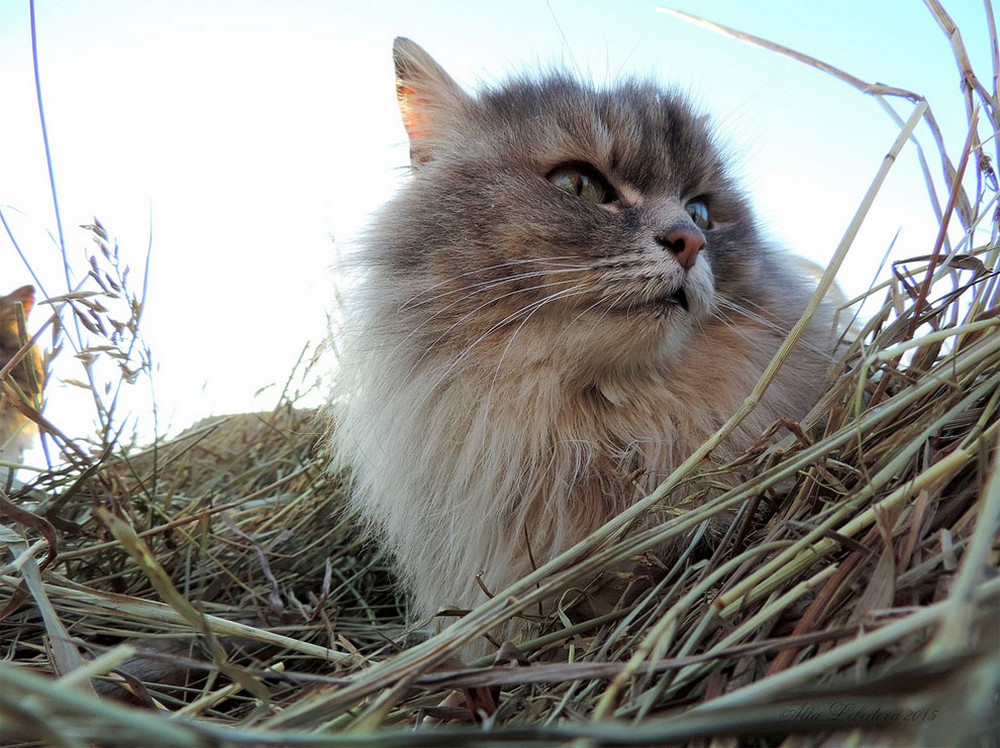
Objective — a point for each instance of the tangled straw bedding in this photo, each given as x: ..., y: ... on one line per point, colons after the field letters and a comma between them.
x: 213, y: 589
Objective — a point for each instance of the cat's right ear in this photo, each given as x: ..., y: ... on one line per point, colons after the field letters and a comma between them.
x: 427, y: 98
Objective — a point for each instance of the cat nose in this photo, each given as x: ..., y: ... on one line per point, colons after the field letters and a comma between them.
x: 685, y: 243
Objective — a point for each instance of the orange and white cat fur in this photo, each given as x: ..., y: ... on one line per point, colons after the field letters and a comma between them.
x: 569, y: 292
x: 17, y: 431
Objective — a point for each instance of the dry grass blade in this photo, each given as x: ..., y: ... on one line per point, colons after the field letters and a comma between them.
x: 874, y: 89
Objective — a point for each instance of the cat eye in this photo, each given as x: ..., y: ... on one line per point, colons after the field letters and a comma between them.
x: 699, y: 213
x: 582, y: 182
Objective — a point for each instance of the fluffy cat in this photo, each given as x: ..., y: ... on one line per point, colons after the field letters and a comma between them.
x: 16, y: 430
x: 570, y: 291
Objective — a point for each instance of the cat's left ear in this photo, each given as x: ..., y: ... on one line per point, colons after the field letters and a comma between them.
x: 427, y: 97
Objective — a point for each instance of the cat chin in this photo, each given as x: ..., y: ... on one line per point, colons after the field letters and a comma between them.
x: 640, y: 341
x: 655, y: 334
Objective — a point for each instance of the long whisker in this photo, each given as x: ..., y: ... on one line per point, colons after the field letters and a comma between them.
x: 741, y: 309
x: 417, y: 328
x: 511, y: 317
x: 517, y: 331
x: 492, y: 283
x: 530, y: 309
x: 476, y: 310
x: 611, y: 304
x: 489, y: 268
x: 723, y: 308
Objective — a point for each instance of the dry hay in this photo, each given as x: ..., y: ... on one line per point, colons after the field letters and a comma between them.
x: 855, y: 600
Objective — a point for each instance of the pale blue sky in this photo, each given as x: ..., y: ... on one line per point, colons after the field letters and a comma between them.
x: 249, y: 132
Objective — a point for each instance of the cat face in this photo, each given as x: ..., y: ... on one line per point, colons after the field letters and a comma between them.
x: 16, y: 430
x: 9, y: 343
x: 601, y: 221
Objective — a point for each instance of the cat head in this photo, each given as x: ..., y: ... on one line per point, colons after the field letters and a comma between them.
x: 550, y: 216
x: 10, y: 340
x: 8, y: 320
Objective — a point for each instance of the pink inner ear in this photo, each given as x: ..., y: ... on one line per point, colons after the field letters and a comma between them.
x: 412, y: 108
x: 414, y: 122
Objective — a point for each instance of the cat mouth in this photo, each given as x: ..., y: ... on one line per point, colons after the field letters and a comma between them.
x: 661, y: 306
x: 676, y: 298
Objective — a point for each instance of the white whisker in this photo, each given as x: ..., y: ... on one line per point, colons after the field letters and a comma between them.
x: 763, y: 321
x: 533, y: 307
x: 412, y: 301
x: 490, y: 284
x: 444, y: 334
x: 416, y: 329
x: 537, y: 305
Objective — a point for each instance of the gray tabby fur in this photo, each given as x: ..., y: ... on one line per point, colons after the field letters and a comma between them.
x: 512, y: 359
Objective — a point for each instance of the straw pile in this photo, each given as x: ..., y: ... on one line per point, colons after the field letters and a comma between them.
x: 212, y: 590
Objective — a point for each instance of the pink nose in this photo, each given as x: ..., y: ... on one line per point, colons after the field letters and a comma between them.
x: 685, y: 243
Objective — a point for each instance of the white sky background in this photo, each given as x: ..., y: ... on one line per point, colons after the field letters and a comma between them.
x: 240, y: 136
